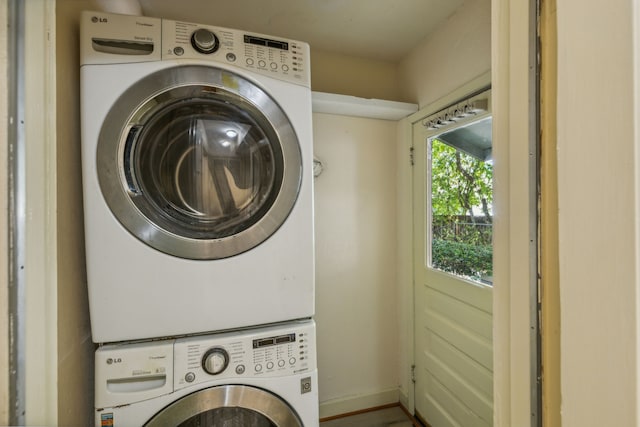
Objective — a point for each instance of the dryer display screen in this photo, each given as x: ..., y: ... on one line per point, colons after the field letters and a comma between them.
x: 260, y: 41
x: 280, y: 339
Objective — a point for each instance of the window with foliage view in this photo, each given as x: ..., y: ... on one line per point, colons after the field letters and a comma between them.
x: 461, y: 217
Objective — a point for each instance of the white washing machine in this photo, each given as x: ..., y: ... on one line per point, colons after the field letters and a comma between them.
x: 197, y: 177
x: 261, y: 377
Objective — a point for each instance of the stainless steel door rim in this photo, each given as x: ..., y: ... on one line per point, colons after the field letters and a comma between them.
x: 268, y: 406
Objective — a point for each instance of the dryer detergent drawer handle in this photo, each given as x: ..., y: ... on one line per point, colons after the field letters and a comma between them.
x: 121, y: 47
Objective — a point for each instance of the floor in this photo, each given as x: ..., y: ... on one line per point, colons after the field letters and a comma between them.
x: 388, y: 417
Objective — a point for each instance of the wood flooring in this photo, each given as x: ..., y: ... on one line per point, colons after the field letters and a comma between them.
x: 386, y: 417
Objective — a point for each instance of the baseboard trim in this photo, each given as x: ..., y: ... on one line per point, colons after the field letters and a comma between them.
x: 361, y: 403
x: 404, y: 400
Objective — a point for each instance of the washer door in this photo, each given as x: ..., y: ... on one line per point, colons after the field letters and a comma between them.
x: 227, y: 406
x: 199, y: 162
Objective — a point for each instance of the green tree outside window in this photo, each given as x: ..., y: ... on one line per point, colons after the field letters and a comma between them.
x: 461, y: 201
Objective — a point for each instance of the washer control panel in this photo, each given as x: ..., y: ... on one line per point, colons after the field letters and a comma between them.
x: 268, y: 352
x: 279, y: 58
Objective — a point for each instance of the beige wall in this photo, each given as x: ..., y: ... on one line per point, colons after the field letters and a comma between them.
x: 75, y: 349
x: 598, y: 212
x: 355, y: 221
x: 348, y: 75
x: 549, y: 266
x: 4, y: 256
x: 455, y: 53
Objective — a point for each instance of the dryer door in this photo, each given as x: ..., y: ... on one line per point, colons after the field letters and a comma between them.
x: 227, y: 406
x: 199, y: 162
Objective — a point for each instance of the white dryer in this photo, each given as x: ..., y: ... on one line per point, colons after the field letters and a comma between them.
x: 197, y: 177
x: 262, y: 378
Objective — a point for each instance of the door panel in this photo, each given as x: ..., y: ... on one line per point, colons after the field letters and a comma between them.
x: 446, y: 409
x: 453, y: 324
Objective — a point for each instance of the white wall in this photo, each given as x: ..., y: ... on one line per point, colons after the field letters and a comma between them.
x: 355, y: 221
x: 455, y: 53
x: 598, y: 211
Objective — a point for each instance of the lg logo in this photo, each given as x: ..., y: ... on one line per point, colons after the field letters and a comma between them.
x: 95, y: 19
x: 111, y: 361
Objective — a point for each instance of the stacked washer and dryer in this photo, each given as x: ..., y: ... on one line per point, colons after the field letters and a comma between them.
x: 197, y: 177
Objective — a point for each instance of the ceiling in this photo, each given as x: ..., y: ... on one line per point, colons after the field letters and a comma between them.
x: 376, y: 29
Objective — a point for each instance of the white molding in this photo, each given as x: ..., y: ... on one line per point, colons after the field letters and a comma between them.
x: 404, y: 260
x: 512, y: 250
x: 41, y: 352
x: 360, y: 402
x: 345, y: 105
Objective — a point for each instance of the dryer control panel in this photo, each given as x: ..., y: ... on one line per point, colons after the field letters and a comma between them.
x: 107, y: 38
x: 271, y: 56
x: 268, y: 352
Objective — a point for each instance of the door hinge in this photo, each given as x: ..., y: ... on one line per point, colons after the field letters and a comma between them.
x: 413, y: 374
x: 411, y: 156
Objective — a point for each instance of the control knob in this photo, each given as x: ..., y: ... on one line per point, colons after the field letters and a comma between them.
x: 204, y: 41
x: 215, y: 360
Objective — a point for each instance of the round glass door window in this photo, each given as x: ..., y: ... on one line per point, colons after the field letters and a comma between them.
x: 228, y: 417
x: 199, y: 171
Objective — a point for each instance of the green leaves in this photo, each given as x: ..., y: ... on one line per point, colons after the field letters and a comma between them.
x: 461, y: 201
x: 460, y: 183
x: 463, y: 259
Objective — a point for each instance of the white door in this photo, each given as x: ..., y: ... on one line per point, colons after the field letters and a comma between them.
x: 452, y: 265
